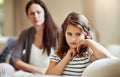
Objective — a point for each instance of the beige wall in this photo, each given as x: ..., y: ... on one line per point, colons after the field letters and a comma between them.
x: 60, y: 8
x: 8, y: 18
x: 102, y: 14
x: 15, y: 19
x: 107, y: 21
x: 21, y: 21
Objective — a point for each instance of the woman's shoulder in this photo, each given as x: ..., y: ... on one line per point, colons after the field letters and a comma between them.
x: 27, y: 31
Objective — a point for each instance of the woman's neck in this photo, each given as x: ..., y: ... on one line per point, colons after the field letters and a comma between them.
x: 39, y: 36
x: 39, y: 29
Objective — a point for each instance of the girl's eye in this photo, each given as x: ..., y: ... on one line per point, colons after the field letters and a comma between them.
x: 78, y: 34
x: 69, y: 34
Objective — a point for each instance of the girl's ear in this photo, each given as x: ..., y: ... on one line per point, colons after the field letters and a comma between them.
x: 87, y: 37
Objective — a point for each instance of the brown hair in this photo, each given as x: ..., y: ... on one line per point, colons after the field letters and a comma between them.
x: 78, y: 20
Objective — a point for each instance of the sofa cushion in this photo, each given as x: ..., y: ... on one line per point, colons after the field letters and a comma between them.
x: 108, y: 67
x: 9, y: 46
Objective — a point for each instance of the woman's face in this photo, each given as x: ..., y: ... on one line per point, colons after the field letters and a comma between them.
x: 74, y: 35
x: 36, y: 14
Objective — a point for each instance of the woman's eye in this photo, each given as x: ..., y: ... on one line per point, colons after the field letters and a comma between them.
x: 38, y: 12
x: 32, y: 13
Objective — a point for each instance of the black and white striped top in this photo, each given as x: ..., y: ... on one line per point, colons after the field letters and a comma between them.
x: 75, y: 67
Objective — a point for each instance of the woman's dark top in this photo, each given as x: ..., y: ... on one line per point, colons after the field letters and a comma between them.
x: 25, y: 41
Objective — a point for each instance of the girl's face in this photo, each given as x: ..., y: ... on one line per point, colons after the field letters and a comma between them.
x: 73, y: 35
x: 36, y: 14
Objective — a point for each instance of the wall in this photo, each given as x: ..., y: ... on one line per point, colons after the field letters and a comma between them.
x: 15, y: 19
x: 107, y: 21
x: 20, y: 18
x: 8, y: 18
x: 61, y: 8
x: 103, y: 16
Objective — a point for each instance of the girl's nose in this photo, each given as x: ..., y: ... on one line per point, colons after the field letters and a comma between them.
x: 73, y: 39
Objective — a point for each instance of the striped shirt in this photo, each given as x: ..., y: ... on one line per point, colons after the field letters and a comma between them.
x: 75, y: 67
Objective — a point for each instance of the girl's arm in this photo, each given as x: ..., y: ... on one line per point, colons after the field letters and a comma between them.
x: 57, y: 68
x: 98, y: 50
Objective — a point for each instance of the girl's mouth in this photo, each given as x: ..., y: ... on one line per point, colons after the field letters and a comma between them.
x: 73, y: 44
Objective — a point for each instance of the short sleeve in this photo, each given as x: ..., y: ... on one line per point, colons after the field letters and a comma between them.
x: 55, y: 58
x: 89, y: 53
x: 52, y: 51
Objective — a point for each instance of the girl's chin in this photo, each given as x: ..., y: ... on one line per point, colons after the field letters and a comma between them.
x: 73, y: 47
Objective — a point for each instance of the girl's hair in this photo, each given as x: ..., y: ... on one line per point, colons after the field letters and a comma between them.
x: 50, y: 30
x: 79, y: 21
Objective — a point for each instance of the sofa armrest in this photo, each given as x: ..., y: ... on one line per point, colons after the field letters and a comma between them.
x: 10, y: 44
x: 3, y: 43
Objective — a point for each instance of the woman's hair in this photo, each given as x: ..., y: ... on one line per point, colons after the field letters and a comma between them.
x: 78, y: 20
x: 50, y: 30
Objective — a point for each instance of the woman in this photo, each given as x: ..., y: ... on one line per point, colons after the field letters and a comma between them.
x: 76, y: 49
x: 36, y: 43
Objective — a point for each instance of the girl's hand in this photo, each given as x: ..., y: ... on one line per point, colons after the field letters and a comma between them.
x: 71, y: 53
x: 82, y: 44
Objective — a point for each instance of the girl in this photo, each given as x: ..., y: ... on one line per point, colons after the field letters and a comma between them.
x: 76, y: 49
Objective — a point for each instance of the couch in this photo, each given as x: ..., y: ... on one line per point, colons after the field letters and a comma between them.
x: 108, y: 67
x: 7, y: 45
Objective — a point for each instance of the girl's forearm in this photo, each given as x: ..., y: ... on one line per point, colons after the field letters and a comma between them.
x: 58, y: 69
x: 98, y: 50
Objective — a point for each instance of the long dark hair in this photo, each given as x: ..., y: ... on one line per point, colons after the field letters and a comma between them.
x: 50, y: 30
x: 78, y: 20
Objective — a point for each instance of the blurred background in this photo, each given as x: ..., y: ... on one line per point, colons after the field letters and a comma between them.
x: 104, y: 17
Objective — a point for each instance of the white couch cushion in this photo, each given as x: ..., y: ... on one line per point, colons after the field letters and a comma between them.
x: 103, y: 68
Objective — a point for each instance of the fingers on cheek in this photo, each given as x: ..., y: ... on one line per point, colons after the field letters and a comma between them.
x: 75, y: 53
x: 78, y: 48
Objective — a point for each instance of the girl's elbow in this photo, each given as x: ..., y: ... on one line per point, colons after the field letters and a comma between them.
x: 48, y: 72
x: 52, y: 73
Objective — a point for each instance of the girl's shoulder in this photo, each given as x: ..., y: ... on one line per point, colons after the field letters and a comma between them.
x: 55, y: 58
